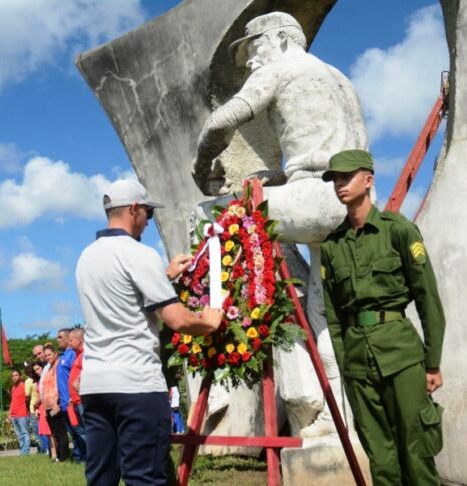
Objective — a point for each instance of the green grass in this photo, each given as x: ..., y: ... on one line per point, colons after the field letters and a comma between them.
x: 38, y: 470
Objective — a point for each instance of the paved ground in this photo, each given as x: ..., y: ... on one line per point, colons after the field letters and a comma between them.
x: 15, y: 452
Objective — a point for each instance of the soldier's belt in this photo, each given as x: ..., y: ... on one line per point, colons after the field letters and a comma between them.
x: 372, y: 318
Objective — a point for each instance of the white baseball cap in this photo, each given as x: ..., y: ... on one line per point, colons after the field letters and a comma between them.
x: 125, y: 192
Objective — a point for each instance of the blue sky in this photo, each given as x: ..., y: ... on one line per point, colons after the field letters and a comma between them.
x: 58, y: 151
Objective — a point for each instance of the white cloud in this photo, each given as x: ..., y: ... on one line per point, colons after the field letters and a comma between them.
x: 398, y: 86
x: 10, y: 158
x: 50, y: 188
x: 388, y: 166
x: 24, y: 244
x: 55, y: 323
x: 36, y: 33
x: 30, y: 271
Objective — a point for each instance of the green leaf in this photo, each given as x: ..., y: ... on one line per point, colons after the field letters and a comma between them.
x: 253, y: 364
x: 263, y: 207
x: 217, y: 210
x: 239, y: 333
x: 221, y: 374
x: 271, y: 225
x: 174, y: 360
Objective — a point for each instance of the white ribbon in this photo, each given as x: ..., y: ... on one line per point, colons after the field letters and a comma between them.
x: 215, y: 268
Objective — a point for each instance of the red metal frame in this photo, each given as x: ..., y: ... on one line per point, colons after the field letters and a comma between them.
x: 418, y: 152
x: 271, y: 441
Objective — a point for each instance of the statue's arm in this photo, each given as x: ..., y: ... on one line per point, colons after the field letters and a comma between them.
x: 219, y: 129
x: 255, y: 96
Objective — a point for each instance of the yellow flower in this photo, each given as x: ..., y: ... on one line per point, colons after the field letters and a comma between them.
x: 207, y: 340
x: 227, y: 260
x: 232, y: 210
x: 230, y: 348
x: 225, y: 276
x: 252, y: 332
x: 242, y: 348
x: 229, y: 244
x: 211, y: 352
x: 233, y: 229
x: 187, y: 338
x: 184, y: 295
x: 196, y: 348
x: 251, y: 229
x: 255, y: 313
x: 240, y: 212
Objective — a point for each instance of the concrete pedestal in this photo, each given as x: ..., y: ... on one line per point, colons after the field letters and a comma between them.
x: 322, y: 462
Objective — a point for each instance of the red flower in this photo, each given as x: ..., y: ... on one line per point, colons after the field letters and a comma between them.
x: 256, y: 344
x: 220, y: 359
x: 193, y: 360
x: 183, y: 349
x: 263, y: 330
x: 176, y: 338
x: 246, y: 356
x: 234, y: 358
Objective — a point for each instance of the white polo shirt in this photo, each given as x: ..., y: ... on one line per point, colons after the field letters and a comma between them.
x: 120, y: 283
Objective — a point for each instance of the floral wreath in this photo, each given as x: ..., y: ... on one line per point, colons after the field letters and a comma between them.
x: 258, y: 312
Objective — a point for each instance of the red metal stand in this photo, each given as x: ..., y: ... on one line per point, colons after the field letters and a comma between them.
x: 271, y: 441
x: 420, y: 148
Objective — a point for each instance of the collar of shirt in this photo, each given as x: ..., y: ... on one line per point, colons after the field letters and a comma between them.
x: 373, y: 219
x: 112, y: 232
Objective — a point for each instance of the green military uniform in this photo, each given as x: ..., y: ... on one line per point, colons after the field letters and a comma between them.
x: 369, y: 276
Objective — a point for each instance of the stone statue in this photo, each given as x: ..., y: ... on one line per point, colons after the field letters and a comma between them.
x: 314, y: 112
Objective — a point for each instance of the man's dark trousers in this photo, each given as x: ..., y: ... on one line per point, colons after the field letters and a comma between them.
x: 128, y: 436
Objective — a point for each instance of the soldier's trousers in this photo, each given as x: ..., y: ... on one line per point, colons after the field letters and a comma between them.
x: 398, y: 424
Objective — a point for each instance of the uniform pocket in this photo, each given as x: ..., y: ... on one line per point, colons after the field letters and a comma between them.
x: 387, y: 276
x: 343, y: 283
x: 431, y: 440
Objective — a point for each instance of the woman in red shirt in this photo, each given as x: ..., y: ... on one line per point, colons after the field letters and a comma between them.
x: 19, y: 415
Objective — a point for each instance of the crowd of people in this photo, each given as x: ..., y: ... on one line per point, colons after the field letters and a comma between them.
x: 47, y: 403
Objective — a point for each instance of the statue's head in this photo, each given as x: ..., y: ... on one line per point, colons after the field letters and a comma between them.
x: 267, y: 37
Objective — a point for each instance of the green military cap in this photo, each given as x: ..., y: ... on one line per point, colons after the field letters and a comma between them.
x: 348, y: 161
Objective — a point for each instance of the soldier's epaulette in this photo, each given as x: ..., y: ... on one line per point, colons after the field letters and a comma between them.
x: 393, y: 216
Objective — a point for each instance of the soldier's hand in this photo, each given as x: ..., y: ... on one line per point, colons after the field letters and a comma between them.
x: 178, y: 265
x: 434, y: 379
x: 212, y: 317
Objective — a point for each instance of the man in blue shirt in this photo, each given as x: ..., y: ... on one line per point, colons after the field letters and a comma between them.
x: 65, y: 362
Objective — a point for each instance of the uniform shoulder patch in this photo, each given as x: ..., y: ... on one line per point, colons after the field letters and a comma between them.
x: 322, y: 272
x: 418, y: 252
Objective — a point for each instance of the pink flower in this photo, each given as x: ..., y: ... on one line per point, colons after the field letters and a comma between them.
x: 204, y: 300
x: 198, y: 289
x: 193, y: 301
x: 232, y: 312
x: 246, y: 322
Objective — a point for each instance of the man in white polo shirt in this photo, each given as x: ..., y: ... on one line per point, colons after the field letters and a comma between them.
x: 124, y: 290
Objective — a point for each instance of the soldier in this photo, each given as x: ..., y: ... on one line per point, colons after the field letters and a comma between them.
x: 373, y: 265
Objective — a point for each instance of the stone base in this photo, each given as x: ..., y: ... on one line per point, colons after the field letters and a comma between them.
x: 322, y: 462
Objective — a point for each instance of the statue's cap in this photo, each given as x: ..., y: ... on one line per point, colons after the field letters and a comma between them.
x: 257, y: 27
x: 348, y: 161
x: 125, y: 192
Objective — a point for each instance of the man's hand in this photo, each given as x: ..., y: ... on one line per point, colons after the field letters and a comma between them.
x: 177, y: 265
x: 434, y: 379
x: 212, y: 317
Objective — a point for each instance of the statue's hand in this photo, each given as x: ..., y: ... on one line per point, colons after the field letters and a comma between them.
x: 209, y: 176
x: 269, y: 177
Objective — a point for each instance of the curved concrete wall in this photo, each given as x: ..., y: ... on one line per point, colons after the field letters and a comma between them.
x: 443, y: 221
